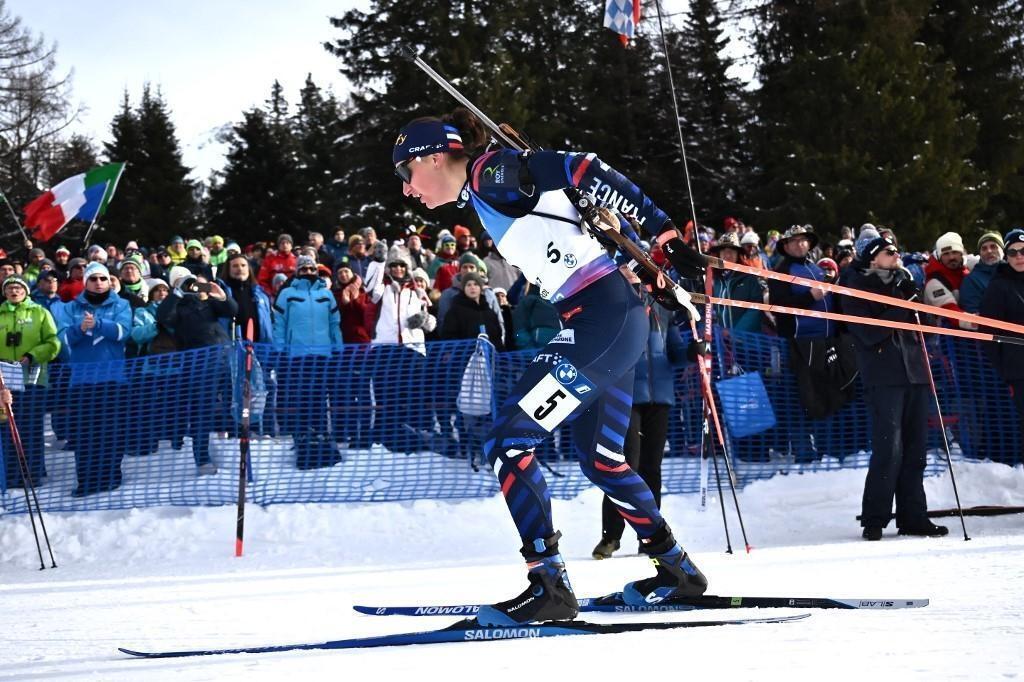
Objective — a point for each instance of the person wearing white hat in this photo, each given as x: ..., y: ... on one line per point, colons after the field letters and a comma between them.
x: 750, y: 252
x: 94, y: 328
x: 945, y: 272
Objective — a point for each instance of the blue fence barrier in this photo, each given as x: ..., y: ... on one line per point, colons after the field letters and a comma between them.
x: 389, y: 422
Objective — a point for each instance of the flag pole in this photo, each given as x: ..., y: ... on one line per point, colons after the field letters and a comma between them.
x: 14, y: 215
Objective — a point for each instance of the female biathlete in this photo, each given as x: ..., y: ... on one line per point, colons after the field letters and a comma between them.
x: 585, y: 374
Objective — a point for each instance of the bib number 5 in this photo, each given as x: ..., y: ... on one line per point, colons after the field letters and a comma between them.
x: 549, y: 403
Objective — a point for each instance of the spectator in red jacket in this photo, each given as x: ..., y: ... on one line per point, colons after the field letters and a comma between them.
x: 74, y: 284
x: 358, y: 313
x: 281, y: 261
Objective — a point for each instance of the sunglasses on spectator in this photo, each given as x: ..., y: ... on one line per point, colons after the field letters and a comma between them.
x: 891, y: 252
x: 1010, y: 253
x: 98, y: 278
x: 306, y: 268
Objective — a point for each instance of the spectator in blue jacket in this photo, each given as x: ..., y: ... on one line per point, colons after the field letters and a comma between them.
x: 93, y: 329
x: 653, y: 398
x: 307, y: 327
x: 45, y: 291
x: 990, y: 252
x: 738, y: 286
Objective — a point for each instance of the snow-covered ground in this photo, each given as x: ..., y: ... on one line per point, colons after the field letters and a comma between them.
x: 166, y: 578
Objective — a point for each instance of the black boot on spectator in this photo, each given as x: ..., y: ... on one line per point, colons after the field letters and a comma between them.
x: 927, y: 529
x: 872, y: 533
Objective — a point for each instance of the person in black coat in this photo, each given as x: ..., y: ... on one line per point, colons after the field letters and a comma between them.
x: 1004, y: 300
x: 194, y: 311
x: 469, y: 311
x: 893, y: 366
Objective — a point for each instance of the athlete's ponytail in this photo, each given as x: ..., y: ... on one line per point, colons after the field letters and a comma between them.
x: 474, y: 134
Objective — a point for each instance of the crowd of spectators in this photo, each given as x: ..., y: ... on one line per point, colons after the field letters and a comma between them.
x: 314, y: 300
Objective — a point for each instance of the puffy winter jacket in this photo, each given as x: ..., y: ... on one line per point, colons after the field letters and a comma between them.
x: 398, y: 305
x: 103, y: 343
x: 307, y: 320
x: 38, y: 336
x: 1004, y: 300
x: 799, y: 296
x: 739, y: 287
x: 654, y: 378
x: 465, y: 317
x: 273, y: 264
x: 196, y: 323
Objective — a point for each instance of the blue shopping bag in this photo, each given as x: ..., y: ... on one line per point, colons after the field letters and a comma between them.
x: 745, y: 404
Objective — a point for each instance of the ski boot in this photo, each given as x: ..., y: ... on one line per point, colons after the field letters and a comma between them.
x: 676, y: 577
x: 549, y: 595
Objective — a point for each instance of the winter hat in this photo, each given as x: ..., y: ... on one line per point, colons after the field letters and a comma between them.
x: 447, y: 239
x: 48, y: 274
x: 37, y: 252
x: 873, y: 247
x: 356, y: 239
x: 217, y: 239
x: 948, y: 242
x: 499, y: 290
x: 828, y: 264
x: 15, y: 279
x: 63, y: 249
x: 868, y: 233
x: 193, y: 244
x: 728, y: 240
x: 461, y: 231
x: 131, y: 260
x: 279, y: 279
x: 398, y: 258
x: 1014, y: 236
x: 233, y: 247
x: 729, y: 223
x: 77, y: 263
x: 991, y: 237
x: 421, y: 274
x: 750, y: 238
x: 152, y: 283
x: 177, y: 240
x: 304, y: 262
x: 96, y: 250
x: 470, y: 257
x: 470, y: 277
x: 177, y: 274
x: 95, y: 269
x: 284, y: 237
x: 799, y: 231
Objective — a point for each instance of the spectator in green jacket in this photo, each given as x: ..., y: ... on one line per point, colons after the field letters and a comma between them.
x: 30, y: 342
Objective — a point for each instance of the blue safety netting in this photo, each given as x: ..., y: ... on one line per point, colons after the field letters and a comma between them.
x: 391, y: 422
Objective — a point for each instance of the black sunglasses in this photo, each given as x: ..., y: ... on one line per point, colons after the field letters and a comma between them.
x: 403, y: 171
x: 98, y: 278
x: 1010, y: 253
x: 307, y: 268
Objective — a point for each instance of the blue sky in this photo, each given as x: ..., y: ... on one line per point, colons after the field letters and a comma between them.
x: 211, y: 59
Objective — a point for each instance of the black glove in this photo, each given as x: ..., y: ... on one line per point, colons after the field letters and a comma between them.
x: 688, y: 262
x: 906, y: 287
x: 695, y: 350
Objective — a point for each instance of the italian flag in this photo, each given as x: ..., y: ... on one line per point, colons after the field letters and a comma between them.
x: 84, y: 196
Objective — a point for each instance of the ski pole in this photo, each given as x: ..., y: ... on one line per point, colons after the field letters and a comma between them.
x: 243, y: 440
x: 942, y: 427
x: 27, y: 484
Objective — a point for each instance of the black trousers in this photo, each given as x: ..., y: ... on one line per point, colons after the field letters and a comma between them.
x: 899, y: 436
x: 644, y: 449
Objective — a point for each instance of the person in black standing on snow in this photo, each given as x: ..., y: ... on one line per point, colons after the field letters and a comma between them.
x: 893, y: 366
x: 1004, y: 300
x: 584, y: 376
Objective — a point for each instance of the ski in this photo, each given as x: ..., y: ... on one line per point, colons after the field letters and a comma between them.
x: 469, y: 630
x: 613, y: 603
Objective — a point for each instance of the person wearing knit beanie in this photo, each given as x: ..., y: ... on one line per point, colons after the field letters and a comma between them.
x: 990, y: 255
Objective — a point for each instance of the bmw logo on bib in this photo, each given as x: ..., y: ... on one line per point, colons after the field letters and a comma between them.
x: 569, y: 260
x: 566, y: 373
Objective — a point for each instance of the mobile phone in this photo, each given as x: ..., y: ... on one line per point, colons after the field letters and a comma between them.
x: 203, y: 287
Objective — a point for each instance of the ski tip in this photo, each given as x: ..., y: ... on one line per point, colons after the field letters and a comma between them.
x: 130, y: 652
x: 367, y: 610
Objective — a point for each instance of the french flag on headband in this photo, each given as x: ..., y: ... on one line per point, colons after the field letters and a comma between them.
x: 84, y: 196
x: 454, y: 139
x: 622, y: 16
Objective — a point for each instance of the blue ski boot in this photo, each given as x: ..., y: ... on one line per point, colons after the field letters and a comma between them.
x: 676, y: 577
x: 549, y: 595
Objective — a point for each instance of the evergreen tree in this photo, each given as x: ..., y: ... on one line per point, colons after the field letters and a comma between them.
x: 982, y: 40
x: 260, y: 194
x: 317, y: 127
x: 155, y: 198
x: 858, y: 121
x: 75, y: 155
